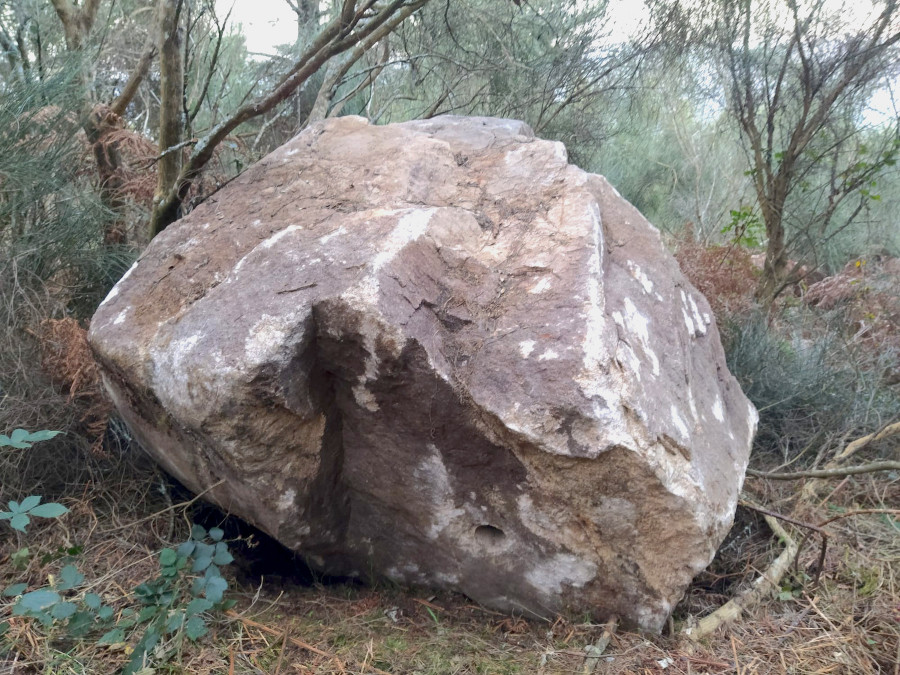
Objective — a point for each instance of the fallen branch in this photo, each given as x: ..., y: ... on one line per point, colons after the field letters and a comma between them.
x: 595, y: 651
x: 812, y: 487
x: 886, y: 465
x: 809, y: 526
x: 860, y: 443
x: 767, y: 582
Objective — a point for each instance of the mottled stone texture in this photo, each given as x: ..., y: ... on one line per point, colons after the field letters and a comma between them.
x: 437, y: 352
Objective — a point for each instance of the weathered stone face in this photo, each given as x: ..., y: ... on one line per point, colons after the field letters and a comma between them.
x: 437, y: 352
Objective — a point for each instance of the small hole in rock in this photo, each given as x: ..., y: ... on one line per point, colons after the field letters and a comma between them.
x: 488, y: 534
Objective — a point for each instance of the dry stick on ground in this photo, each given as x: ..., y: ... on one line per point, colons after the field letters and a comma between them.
x: 886, y: 465
x: 764, y: 585
x: 809, y: 526
x: 810, y: 489
x: 595, y: 651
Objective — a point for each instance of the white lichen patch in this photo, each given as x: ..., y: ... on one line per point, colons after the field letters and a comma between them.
x: 548, y: 355
x: 434, y: 480
x: 698, y: 319
x: 752, y: 419
x: 541, y: 285
x: 115, y: 289
x: 286, y: 500
x: 171, y: 378
x: 639, y: 325
x: 121, y: 316
x: 325, y: 238
x: 717, y: 410
x: 275, y: 238
x: 550, y: 575
x: 526, y: 347
x: 594, y: 348
x: 679, y: 423
x: 625, y: 354
x: 692, y: 404
x: 410, y: 227
x: 370, y: 329
x: 635, y: 270
x: 267, y: 336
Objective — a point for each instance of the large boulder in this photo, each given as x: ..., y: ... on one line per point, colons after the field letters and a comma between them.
x: 439, y: 353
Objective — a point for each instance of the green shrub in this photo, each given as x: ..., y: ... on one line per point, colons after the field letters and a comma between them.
x: 813, y: 387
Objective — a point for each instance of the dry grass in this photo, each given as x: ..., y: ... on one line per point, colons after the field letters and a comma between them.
x: 849, y: 624
x: 122, y: 515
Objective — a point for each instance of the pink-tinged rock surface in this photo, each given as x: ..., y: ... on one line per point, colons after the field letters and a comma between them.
x: 437, y: 352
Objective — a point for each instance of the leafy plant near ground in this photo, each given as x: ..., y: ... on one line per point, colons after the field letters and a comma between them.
x: 189, y: 586
x: 21, y: 513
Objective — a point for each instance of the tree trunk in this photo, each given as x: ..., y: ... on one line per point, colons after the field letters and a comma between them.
x: 171, y: 84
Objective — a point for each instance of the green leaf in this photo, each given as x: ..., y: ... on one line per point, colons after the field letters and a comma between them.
x: 14, y: 590
x: 199, y: 565
x: 37, y: 601
x: 6, y: 515
x: 198, y: 585
x: 167, y: 557
x: 198, y: 606
x: 13, y: 507
x: 216, y: 533
x: 186, y: 549
x: 215, y: 589
x: 203, y: 550
x: 105, y: 613
x: 113, y: 637
x: 69, y: 577
x: 175, y: 622
x: 80, y: 624
x: 38, y: 436
x: 22, y: 440
x: 195, y: 628
x: 198, y: 532
x: 20, y: 558
x: 147, y: 613
x: 4, y: 626
x: 49, y: 510
x: 93, y: 600
x: 19, y: 522
x: 30, y: 502
x: 45, y: 619
x: 223, y: 558
x: 63, y: 610
x: 146, y: 644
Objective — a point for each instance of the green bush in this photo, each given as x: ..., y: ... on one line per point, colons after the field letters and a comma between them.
x: 813, y: 388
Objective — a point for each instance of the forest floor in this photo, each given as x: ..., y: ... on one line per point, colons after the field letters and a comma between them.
x: 122, y: 516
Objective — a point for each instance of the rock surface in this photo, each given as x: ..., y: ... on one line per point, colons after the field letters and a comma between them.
x: 437, y: 352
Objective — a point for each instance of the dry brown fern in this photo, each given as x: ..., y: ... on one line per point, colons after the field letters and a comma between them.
x: 67, y: 360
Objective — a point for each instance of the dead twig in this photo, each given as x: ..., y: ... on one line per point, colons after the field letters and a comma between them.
x: 595, y: 651
x: 809, y: 526
x: 886, y: 465
x: 165, y: 510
